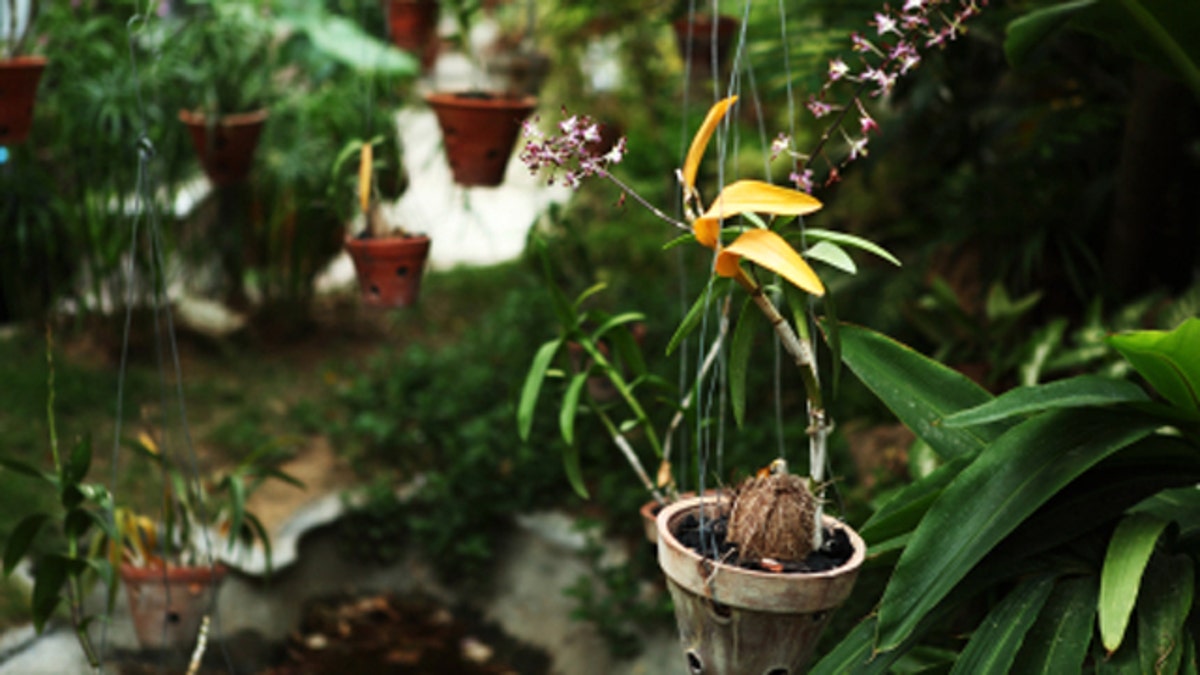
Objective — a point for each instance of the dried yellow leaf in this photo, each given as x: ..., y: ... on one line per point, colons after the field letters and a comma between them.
x: 755, y: 196
x: 365, y: 163
x: 700, y: 141
x: 769, y: 250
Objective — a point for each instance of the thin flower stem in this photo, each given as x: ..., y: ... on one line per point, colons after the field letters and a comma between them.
x: 642, y: 200
x: 833, y: 126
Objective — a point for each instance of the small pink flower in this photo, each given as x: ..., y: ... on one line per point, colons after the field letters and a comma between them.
x: 837, y: 69
x: 780, y: 145
x: 818, y: 108
x: 803, y: 180
x: 884, y: 24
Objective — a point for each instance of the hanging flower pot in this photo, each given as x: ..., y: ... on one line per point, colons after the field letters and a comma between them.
x: 226, y: 146
x: 695, y: 40
x: 413, y: 27
x: 479, y: 131
x: 168, y: 606
x: 389, y: 268
x: 734, y: 620
x: 19, y: 79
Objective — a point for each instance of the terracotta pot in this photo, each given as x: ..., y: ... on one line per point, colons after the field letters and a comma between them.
x: 413, y: 27
x: 168, y: 605
x: 479, y: 131
x: 227, y: 155
x: 700, y: 28
x: 734, y: 621
x: 19, y: 79
x: 389, y: 268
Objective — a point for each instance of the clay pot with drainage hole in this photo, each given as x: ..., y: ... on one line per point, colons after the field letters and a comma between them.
x: 19, y: 79
x: 389, y: 268
x: 169, y: 605
x: 738, y: 621
x: 479, y: 131
x: 226, y: 145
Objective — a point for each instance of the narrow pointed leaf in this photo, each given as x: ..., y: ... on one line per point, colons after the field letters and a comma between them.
x: 570, y: 407
x: 918, y: 390
x: 1168, y: 591
x: 27, y: 469
x: 739, y: 360
x: 1059, y: 639
x: 1076, y: 392
x: 47, y: 589
x: 994, y: 645
x: 20, y: 539
x: 695, y: 152
x: 832, y: 255
x: 1128, y: 553
x: 1170, y: 361
x: 990, y: 498
x: 76, y: 468
x: 852, y: 241
x: 769, y: 250
x: 717, y: 288
x: 237, y: 499
x: 533, y: 386
x: 904, y: 511
x: 615, y: 321
x: 756, y: 196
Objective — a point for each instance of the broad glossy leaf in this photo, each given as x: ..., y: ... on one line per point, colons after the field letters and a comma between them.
x: 771, y: 251
x: 533, y: 386
x: 991, y: 497
x: 1058, y: 641
x: 1128, y: 553
x: 739, y: 359
x: 20, y: 539
x: 854, y: 654
x: 852, y: 241
x: 904, y: 511
x: 993, y: 646
x: 918, y: 390
x: 1076, y: 392
x: 1170, y: 361
x: 344, y: 41
x: 695, y: 152
x: 1168, y: 591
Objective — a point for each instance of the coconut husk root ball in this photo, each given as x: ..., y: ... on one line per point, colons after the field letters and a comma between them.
x: 772, y: 517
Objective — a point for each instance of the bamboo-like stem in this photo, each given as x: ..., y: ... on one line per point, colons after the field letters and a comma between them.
x: 201, y: 644
x: 622, y: 444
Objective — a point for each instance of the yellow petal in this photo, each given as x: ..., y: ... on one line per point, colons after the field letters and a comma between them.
x: 771, y: 251
x: 700, y: 141
x: 364, y: 176
x: 706, y: 231
x: 755, y: 196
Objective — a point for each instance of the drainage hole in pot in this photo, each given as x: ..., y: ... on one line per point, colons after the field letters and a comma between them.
x: 173, y: 617
x: 374, y: 290
x: 4, y: 131
x: 493, y: 153
x: 402, y: 271
x: 220, y: 142
x: 695, y: 665
x: 818, y: 617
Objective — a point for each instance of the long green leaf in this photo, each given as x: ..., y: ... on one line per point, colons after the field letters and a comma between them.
x: 570, y: 406
x: 1027, y: 32
x: 76, y: 468
x: 993, y: 646
x: 833, y: 255
x: 1170, y: 361
x: 1058, y: 641
x: 905, y: 509
x: 533, y: 386
x: 739, y: 360
x: 1017, y: 473
x: 1128, y: 553
x: 47, y: 588
x: 717, y: 288
x: 919, y: 391
x: 1168, y: 592
x: 20, y: 539
x: 852, y: 241
x: 1076, y: 392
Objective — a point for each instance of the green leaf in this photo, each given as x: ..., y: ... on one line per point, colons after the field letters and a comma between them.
x: 77, y: 522
x: 573, y: 470
x: 20, y: 539
x: 918, y: 390
x: 991, y: 497
x: 1168, y: 591
x: 844, y: 239
x: 717, y: 288
x: 76, y: 467
x: 1170, y: 362
x: 1058, y: 641
x: 994, y: 645
x: 342, y: 40
x: 570, y: 406
x: 1076, y: 392
x: 739, y: 360
x: 533, y: 386
x: 904, y: 511
x: 260, y: 533
x: 1027, y: 32
x: 833, y: 255
x: 1128, y: 552
x: 833, y: 338
x: 27, y: 470
x: 630, y: 352
x: 855, y: 654
x: 237, y: 507
x: 48, y: 583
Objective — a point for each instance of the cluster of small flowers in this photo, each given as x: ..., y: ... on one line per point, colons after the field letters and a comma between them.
x: 577, y: 152
x: 918, y: 22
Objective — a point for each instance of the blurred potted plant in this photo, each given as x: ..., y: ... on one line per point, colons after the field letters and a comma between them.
x: 413, y: 26
x: 19, y: 72
x: 172, y: 565
x: 389, y: 260
x: 224, y: 52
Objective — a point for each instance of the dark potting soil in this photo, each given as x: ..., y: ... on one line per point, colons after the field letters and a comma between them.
x: 708, y: 540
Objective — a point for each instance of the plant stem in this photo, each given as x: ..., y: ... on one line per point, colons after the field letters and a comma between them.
x: 630, y: 456
x: 709, y: 359
x: 645, y: 204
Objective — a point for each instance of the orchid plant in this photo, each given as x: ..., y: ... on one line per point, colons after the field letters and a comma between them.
x: 750, y: 226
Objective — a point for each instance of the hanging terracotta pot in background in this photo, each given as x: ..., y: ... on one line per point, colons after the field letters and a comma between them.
x: 413, y: 27
x: 19, y: 79
x: 479, y: 131
x: 698, y: 49
x: 389, y: 268
x: 168, y: 606
x: 228, y: 154
x: 734, y: 620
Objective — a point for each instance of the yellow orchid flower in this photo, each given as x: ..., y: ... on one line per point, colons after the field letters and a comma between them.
x: 762, y: 247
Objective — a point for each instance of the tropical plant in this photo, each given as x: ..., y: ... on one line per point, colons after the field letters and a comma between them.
x: 224, y: 52
x: 1065, y: 510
